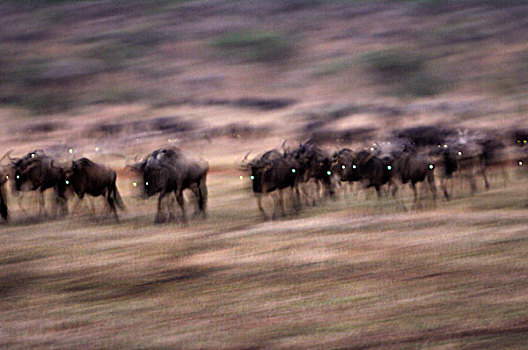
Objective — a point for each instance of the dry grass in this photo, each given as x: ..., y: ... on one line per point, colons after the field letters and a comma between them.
x: 345, y: 274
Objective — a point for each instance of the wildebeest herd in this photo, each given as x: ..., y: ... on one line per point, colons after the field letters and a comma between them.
x: 164, y: 171
x: 306, y: 172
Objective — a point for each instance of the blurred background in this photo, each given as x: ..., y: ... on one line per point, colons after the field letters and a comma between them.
x: 114, y: 80
x: 389, y: 62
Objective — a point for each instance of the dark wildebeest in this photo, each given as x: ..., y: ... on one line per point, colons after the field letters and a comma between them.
x: 4, y: 177
x: 519, y: 137
x: 426, y: 135
x: 317, y: 166
x: 3, y: 203
x: 412, y: 167
x: 464, y: 161
x: 38, y: 171
x: 366, y: 167
x: 166, y: 171
x: 342, y: 161
x: 465, y: 156
x: 273, y: 172
x: 87, y: 177
x: 342, y: 166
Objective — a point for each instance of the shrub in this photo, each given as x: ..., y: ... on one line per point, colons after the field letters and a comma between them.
x: 404, y: 73
x: 393, y: 64
x: 45, y: 102
x: 513, y: 77
x: 422, y: 84
x: 254, y: 46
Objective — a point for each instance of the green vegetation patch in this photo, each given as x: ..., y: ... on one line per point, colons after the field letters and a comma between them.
x: 254, y: 46
x: 404, y: 73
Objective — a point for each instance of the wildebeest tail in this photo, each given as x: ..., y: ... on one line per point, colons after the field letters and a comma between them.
x: 116, y: 196
x: 202, y: 198
x: 3, y: 206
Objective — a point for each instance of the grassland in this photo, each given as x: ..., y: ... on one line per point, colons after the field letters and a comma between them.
x: 345, y: 274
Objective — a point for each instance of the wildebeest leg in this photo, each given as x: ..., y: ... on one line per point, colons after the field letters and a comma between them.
x: 444, y: 187
x: 394, y: 192
x: 307, y: 191
x: 432, y: 188
x: 42, y: 204
x: 473, y: 184
x: 356, y: 189
x: 181, y: 203
x: 20, y: 205
x: 202, y: 200
x: 486, y: 183
x: 317, y: 192
x: 275, y: 201
x: 413, y: 186
x: 157, y: 218
x: 420, y: 188
x: 297, y: 197
x: 111, y: 203
x: 378, y: 190
x: 77, y: 205
x: 171, y: 207
x: 91, y: 205
x: 281, y: 202
x: 61, y: 202
x: 259, y: 204
x: 3, y: 206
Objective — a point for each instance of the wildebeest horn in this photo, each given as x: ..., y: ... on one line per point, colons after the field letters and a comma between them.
x: 6, y: 155
x: 13, y: 160
x: 245, y: 157
x: 127, y: 160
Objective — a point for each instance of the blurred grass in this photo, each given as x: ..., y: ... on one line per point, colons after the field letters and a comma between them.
x: 344, y: 273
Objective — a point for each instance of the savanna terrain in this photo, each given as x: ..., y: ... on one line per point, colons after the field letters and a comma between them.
x: 114, y: 80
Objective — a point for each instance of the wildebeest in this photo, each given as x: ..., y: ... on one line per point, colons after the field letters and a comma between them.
x: 412, y: 167
x: 466, y: 155
x: 274, y: 172
x: 4, y: 177
x: 87, y: 177
x: 426, y: 135
x: 168, y: 170
x: 342, y: 161
x: 3, y: 203
x: 38, y: 171
x: 317, y: 167
x: 519, y: 137
x: 366, y: 167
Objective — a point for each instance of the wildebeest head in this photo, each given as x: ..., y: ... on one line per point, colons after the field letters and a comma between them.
x: 256, y: 178
x: 158, y: 171
x: 5, y: 171
x: 272, y: 170
x: 25, y: 170
x: 147, y: 182
x: 342, y: 164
